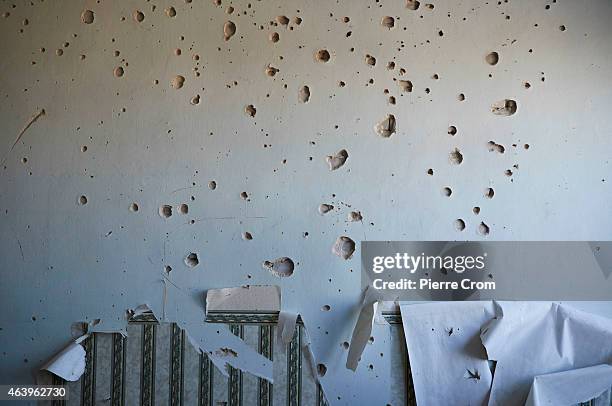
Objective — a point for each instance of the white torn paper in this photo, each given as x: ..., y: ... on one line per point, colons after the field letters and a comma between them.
x: 244, y: 298
x: 285, y: 330
x: 228, y: 349
x: 308, y: 353
x: 570, y: 387
x: 186, y: 308
x: 139, y: 311
x: 363, y: 328
x: 69, y: 363
x: 258, y: 298
x: 447, y: 359
x: 286, y: 327
x: 528, y: 339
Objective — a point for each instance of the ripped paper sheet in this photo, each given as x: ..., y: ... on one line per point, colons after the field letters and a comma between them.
x: 222, y: 347
x: 448, y: 362
x: 285, y: 330
x: 185, y: 307
x: 140, y: 310
x: 369, y: 314
x: 287, y: 322
x: 571, y: 387
x: 286, y: 327
x: 69, y: 363
x: 229, y: 349
x: 536, y: 338
x: 260, y: 298
x: 308, y: 353
x: 527, y: 339
x: 256, y: 298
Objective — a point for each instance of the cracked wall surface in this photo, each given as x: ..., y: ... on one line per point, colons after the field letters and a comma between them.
x: 154, y: 150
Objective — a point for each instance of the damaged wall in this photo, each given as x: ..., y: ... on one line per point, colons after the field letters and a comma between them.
x: 216, y: 143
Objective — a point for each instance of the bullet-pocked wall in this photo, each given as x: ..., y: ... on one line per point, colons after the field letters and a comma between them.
x: 222, y: 143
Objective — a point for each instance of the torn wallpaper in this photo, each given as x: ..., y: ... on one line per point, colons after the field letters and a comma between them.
x: 69, y: 363
x: 530, y: 339
x: 187, y: 308
x: 446, y: 353
x: 370, y: 309
x: 572, y: 387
